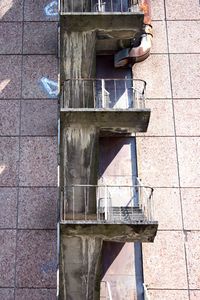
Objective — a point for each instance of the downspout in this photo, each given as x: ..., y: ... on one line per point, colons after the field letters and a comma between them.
x: 141, y: 44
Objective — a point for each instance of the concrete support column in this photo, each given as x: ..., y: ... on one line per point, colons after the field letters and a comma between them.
x: 78, y: 61
x: 80, y: 261
x: 79, y: 152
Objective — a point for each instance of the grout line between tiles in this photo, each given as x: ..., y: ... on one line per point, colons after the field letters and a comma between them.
x: 177, y: 157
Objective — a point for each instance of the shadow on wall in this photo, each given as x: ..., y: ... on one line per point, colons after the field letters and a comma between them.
x: 109, y: 150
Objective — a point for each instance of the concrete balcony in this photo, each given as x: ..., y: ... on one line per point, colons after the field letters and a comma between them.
x: 115, y: 213
x: 113, y: 106
x: 112, y: 21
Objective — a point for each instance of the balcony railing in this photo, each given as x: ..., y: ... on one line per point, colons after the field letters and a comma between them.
x: 100, y: 6
x: 103, y: 93
x: 107, y: 203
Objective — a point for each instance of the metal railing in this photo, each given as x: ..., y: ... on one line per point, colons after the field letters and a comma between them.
x: 123, y: 203
x: 106, y: 290
x: 103, y: 93
x: 99, y: 6
x: 146, y: 293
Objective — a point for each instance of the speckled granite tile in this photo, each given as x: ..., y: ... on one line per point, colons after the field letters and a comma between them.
x: 179, y: 29
x: 40, y: 75
x: 157, y: 10
x: 10, y: 78
x: 43, y: 10
x: 155, y: 71
x: 38, y: 166
x: 164, y: 261
x: 11, y: 10
x: 39, y: 117
x: 168, y: 294
x: 40, y: 38
x: 159, y: 44
x: 182, y: 10
x: 185, y: 70
x: 36, y: 259
x: 6, y: 294
x: 194, y: 295
x: 167, y: 208
x: 8, y: 204
x: 193, y: 258
x: 10, y: 38
x: 9, y: 117
x: 7, y: 257
x: 187, y: 117
x: 161, y: 120
x: 35, y: 294
x: 37, y: 208
x: 189, y: 161
x: 157, y: 164
x: 191, y: 208
x: 9, y: 159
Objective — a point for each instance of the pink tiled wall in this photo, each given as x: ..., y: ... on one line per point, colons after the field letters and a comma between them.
x: 168, y: 154
x: 28, y: 150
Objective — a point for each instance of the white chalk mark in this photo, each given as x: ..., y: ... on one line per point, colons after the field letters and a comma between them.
x: 51, y: 9
x: 3, y: 84
x: 5, y: 6
x: 51, y: 87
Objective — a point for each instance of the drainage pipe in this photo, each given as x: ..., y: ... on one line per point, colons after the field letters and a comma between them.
x: 141, y: 44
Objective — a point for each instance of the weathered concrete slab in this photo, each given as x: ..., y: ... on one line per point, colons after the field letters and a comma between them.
x: 116, y: 232
x: 109, y: 28
x: 80, y: 268
x: 108, y: 22
x: 114, y: 120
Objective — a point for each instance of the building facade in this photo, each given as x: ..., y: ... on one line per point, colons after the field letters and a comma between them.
x: 167, y: 156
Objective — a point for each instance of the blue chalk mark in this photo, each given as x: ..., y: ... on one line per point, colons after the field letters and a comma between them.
x: 50, y: 266
x: 50, y: 87
x: 51, y: 9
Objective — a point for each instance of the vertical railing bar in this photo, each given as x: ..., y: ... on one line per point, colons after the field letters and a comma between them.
x: 83, y: 91
x: 94, y: 94
x: 126, y: 89
x: 97, y: 204
x: 63, y: 204
x: 85, y: 200
x: 111, y: 8
x: 115, y: 90
x: 72, y: 5
x: 121, y: 6
x: 102, y: 92
x: 106, y: 203
x: 73, y: 201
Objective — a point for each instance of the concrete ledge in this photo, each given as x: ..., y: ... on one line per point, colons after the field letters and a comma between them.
x: 121, y: 121
x: 116, y: 232
x: 108, y: 22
